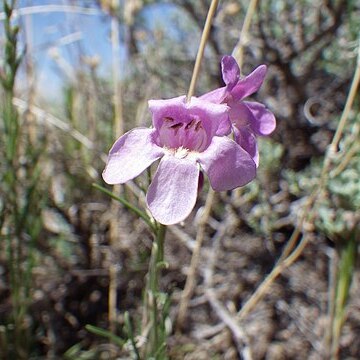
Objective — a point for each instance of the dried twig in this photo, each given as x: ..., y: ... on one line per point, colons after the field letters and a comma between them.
x: 190, y: 280
x: 46, y: 117
x: 240, y: 338
x: 200, y: 53
x: 238, y: 51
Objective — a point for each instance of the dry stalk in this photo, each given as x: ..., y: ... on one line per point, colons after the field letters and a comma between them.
x: 190, y: 280
x: 191, y: 277
x: 240, y: 337
x: 31, y: 91
x: 354, y: 148
x: 262, y: 290
x: 238, y: 52
x: 200, y: 53
x: 118, y: 128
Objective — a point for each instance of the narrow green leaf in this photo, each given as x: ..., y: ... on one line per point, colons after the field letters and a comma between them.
x: 105, y: 333
x: 131, y: 207
x: 130, y: 332
x: 347, y: 261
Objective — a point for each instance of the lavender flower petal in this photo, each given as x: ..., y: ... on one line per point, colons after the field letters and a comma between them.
x: 226, y: 164
x: 172, y: 194
x: 230, y: 71
x: 247, y: 140
x: 131, y: 154
x: 263, y: 121
x: 216, y: 96
x: 250, y: 84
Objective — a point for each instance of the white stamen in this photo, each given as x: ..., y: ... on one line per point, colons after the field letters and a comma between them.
x: 182, y: 153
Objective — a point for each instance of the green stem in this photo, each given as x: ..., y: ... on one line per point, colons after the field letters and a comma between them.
x: 160, y: 238
x: 346, y: 266
x: 156, y: 338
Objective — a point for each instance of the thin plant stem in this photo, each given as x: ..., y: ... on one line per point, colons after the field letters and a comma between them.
x: 20, y: 204
x: 265, y: 285
x: 155, y: 345
x: 353, y: 147
x: 200, y: 53
x: 160, y: 241
x: 117, y: 100
x: 190, y: 280
x: 333, y: 274
x: 349, y: 102
x: 191, y: 277
x: 238, y: 52
x: 118, y: 129
x: 345, y: 271
x: 131, y: 335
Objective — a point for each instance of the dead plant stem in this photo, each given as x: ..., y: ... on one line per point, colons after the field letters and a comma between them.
x: 190, y: 280
x: 118, y: 128
x: 200, y: 53
x: 238, y: 52
x: 278, y: 269
x: 191, y: 277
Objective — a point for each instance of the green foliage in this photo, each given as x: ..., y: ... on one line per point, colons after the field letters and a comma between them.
x: 106, y: 334
x: 339, y: 209
x: 261, y: 216
x: 21, y: 202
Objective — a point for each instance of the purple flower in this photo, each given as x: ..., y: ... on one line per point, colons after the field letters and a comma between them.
x: 249, y: 119
x: 185, y: 136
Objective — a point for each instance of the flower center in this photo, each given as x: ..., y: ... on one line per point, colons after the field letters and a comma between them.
x: 183, y: 136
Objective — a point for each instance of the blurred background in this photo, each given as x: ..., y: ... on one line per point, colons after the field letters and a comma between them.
x: 77, y: 74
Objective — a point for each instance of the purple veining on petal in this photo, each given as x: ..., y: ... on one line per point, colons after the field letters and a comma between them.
x: 188, y: 125
x: 189, y: 135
